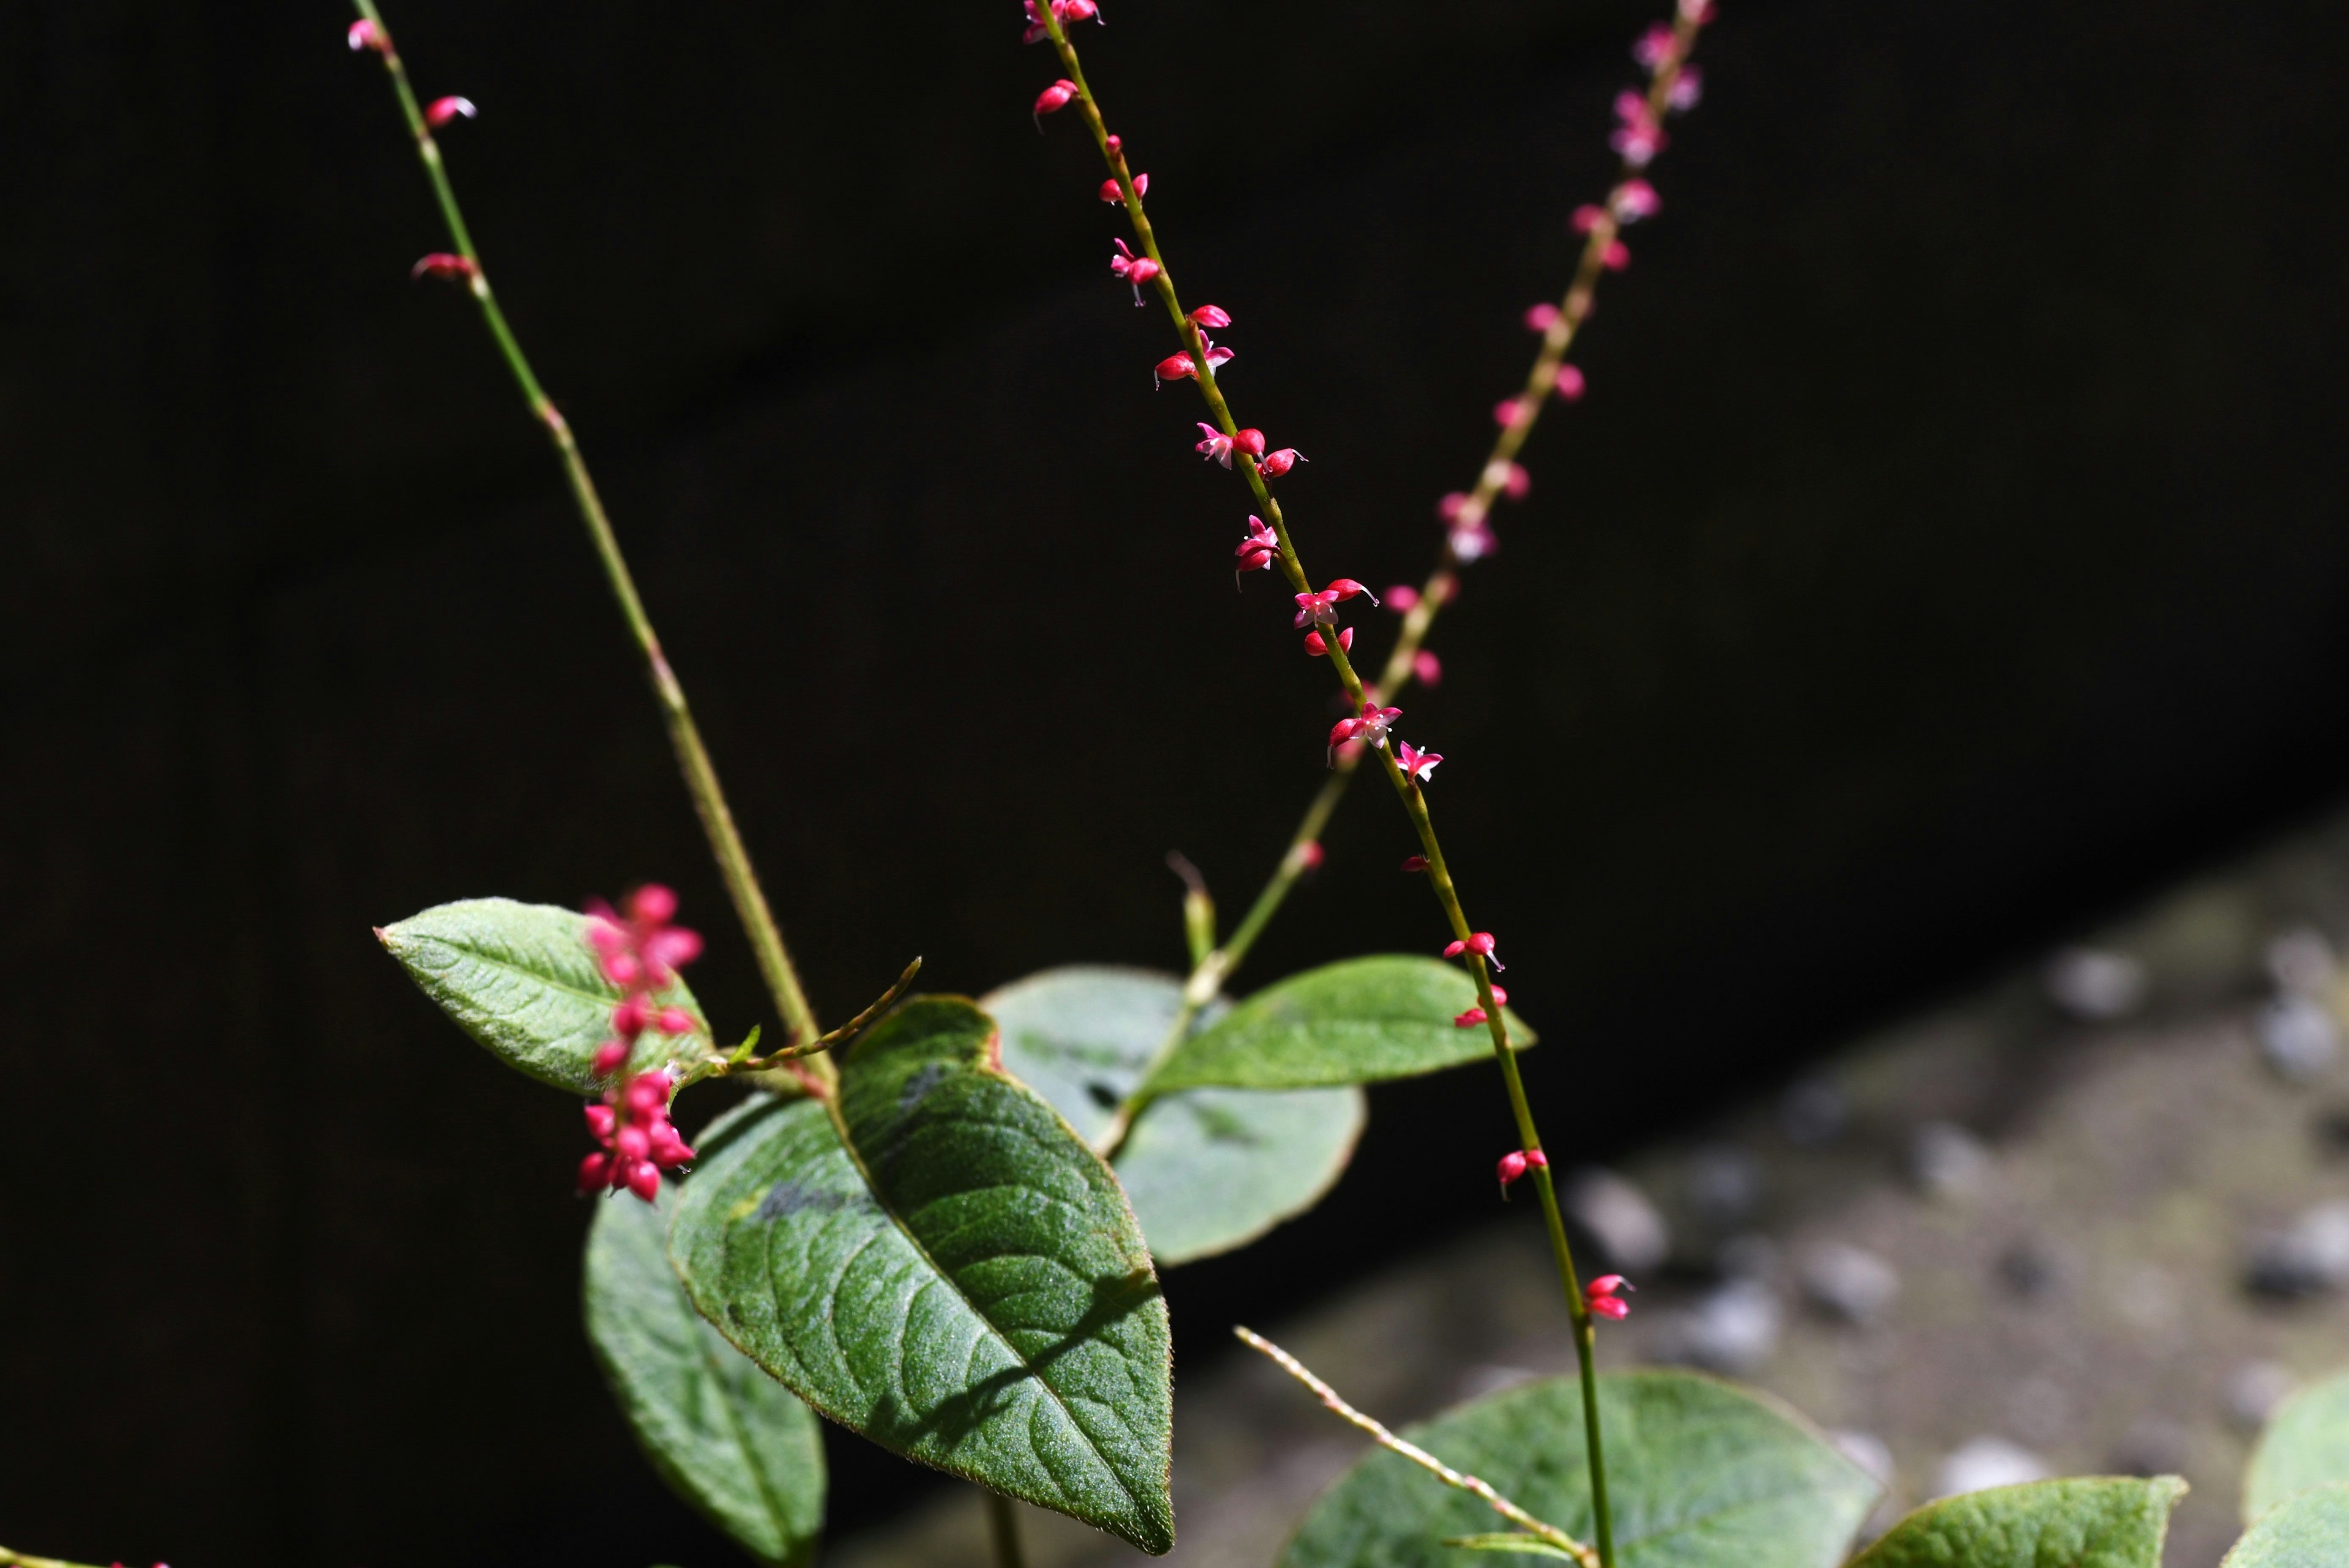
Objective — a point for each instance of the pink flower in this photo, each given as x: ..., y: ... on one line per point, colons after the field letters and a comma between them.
x: 639, y: 1141
x: 443, y: 266
x: 1616, y: 257
x: 1178, y: 367
x: 1602, y: 1296
x: 1415, y: 764
x: 445, y: 109
x: 1570, y: 383
x: 1111, y: 191
x: 1512, y: 1166
x: 1053, y: 100
x: 366, y: 34
x: 1133, y: 269
x: 1272, y: 465
x: 1541, y: 317
x: 1427, y: 669
x: 1062, y: 10
x: 1469, y: 1020
x: 1655, y: 46
x: 1501, y: 996
x: 1250, y: 441
x: 1317, y: 648
x: 1413, y: 863
x: 1634, y: 199
x: 1641, y: 137
x: 1321, y: 609
x: 1507, y: 410
x: 1480, y: 944
x: 1588, y: 217
x: 1687, y: 89
x: 1473, y: 540
x: 1210, y: 316
x: 1403, y: 598
x: 1346, y: 588
x: 1370, y: 728
x: 1309, y: 856
x: 1451, y: 505
x: 1512, y: 479
x: 1700, y: 12
x: 1258, y: 550
x: 1216, y: 444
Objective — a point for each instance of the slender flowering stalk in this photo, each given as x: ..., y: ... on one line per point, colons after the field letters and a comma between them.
x: 1551, y: 1534
x: 25, y: 1559
x: 464, y: 265
x: 1638, y: 142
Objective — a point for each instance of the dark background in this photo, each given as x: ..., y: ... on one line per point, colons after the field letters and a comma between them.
x: 1951, y: 542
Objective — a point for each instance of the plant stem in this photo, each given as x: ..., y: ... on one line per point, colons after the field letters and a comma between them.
x: 1003, y: 1530
x: 700, y: 774
x: 1207, y: 974
x: 23, y: 1561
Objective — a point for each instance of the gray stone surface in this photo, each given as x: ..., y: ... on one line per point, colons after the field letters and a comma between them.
x: 2143, y: 1249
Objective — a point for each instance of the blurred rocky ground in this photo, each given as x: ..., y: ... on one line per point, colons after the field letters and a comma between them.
x: 2092, y: 1217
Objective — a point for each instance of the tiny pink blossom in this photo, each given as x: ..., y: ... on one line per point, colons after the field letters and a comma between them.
x: 1469, y: 1019
x: 610, y: 1056
x: 1603, y: 1296
x: 1250, y: 441
x: 1111, y: 191
x: 1507, y: 410
x: 1473, y: 540
x: 1427, y: 669
x: 1309, y: 856
x: 1179, y: 367
x: 1214, y: 318
x: 1616, y: 257
x: 444, y: 265
x: 1634, y: 199
x: 1480, y: 944
x: 1571, y: 383
x: 1417, y: 764
x: 630, y: 1016
x: 1320, y: 609
x: 1368, y: 729
x: 1413, y: 863
x: 363, y: 34
x: 1403, y: 598
x: 1053, y: 100
x: 1501, y: 996
x: 1588, y: 217
x: 1451, y: 505
x: 1316, y: 648
x: 1346, y: 588
x: 1541, y: 317
x: 1512, y: 477
x: 1700, y: 12
x: 1655, y: 46
x: 1258, y: 550
x: 1214, y: 444
x: 1133, y: 269
x: 1688, y: 87
x: 1062, y: 10
x: 443, y: 110
x: 1512, y: 1165
x: 674, y: 1021
x: 1272, y: 465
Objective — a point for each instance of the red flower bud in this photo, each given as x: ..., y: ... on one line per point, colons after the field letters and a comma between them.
x: 1541, y: 317
x: 1570, y: 384
x: 1275, y: 464
x: 1249, y: 441
x: 1211, y: 317
x: 443, y: 110
x: 1414, y: 862
x: 441, y: 264
x: 1309, y: 855
x: 1426, y: 668
x: 1469, y: 1020
x: 610, y: 1056
x: 1403, y: 598
x: 363, y: 34
x: 1053, y: 100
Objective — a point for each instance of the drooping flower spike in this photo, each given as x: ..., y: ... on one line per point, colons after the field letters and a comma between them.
x: 1133, y: 269
x: 443, y: 110
x: 1416, y: 764
x: 1480, y: 944
x: 1604, y: 1298
x: 639, y: 952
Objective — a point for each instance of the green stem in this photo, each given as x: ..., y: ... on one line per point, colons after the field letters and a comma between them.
x: 726, y: 846
x: 23, y: 1559
x: 1003, y: 1530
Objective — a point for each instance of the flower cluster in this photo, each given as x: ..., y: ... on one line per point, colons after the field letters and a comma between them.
x: 1517, y: 1162
x: 1601, y: 1295
x: 640, y: 953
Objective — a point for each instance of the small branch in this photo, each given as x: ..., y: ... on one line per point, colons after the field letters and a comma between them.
x: 1549, y: 1534
x: 848, y: 1031
x: 23, y: 1559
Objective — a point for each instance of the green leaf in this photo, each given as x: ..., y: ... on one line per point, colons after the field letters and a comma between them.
x: 1361, y: 1021
x: 1513, y: 1540
x: 2307, y: 1530
x: 2306, y: 1444
x: 2101, y: 1522
x: 1206, y: 1169
x: 938, y: 1261
x: 521, y: 980
x: 1700, y: 1475
x: 731, y: 1441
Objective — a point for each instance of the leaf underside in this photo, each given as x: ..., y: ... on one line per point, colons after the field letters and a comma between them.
x: 946, y: 1269
x: 2094, y: 1521
x: 729, y: 1439
x: 521, y: 980
x: 1363, y: 1020
x: 1699, y: 1474
x: 2306, y: 1444
x: 1206, y: 1169
x: 2307, y: 1530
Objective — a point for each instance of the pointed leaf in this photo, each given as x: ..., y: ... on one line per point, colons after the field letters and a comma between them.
x: 1699, y: 1474
x: 2306, y: 1444
x: 521, y: 980
x: 2307, y: 1530
x: 2098, y: 1522
x: 729, y: 1439
x: 940, y: 1263
x: 1360, y: 1021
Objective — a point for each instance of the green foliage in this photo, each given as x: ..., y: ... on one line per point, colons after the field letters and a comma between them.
x: 731, y: 1441
x: 1699, y: 1474
x: 2307, y: 1530
x: 1360, y: 1021
x: 1206, y: 1169
x: 2095, y: 1522
x: 521, y: 979
x: 938, y: 1262
x: 2306, y: 1444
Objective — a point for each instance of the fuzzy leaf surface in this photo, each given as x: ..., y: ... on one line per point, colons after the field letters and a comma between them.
x: 730, y: 1439
x: 945, y: 1268
x: 1359, y: 1021
x: 1699, y: 1474
x: 2307, y: 1530
x: 1206, y: 1169
x: 2096, y: 1521
x: 521, y: 980
x: 2306, y: 1444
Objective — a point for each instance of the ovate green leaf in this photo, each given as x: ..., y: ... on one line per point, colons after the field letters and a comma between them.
x: 1206, y: 1169
x: 521, y: 980
x: 2306, y: 1444
x: 1360, y: 1021
x: 2307, y: 1530
x: 731, y: 1439
x: 2100, y: 1521
x: 1699, y: 1474
x: 940, y: 1262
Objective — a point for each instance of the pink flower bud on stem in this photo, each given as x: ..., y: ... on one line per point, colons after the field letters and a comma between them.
x: 1053, y: 100
x: 443, y: 110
